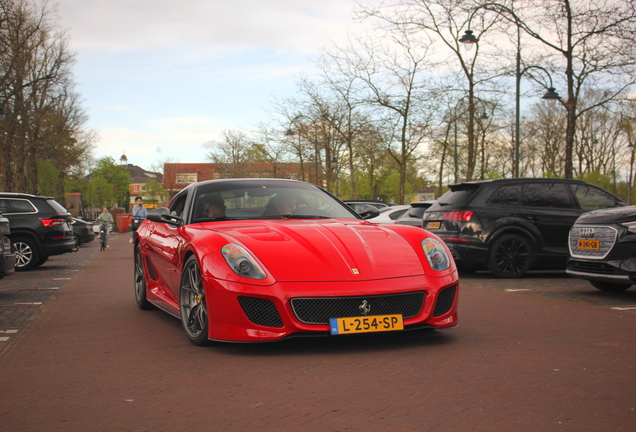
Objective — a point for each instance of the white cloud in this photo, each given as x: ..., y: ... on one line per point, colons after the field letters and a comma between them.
x: 115, y: 25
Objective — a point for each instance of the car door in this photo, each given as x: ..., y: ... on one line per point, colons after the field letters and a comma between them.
x: 552, y: 210
x: 163, y: 245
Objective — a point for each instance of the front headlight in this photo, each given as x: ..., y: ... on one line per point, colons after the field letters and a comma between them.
x: 631, y: 226
x: 435, y: 254
x: 242, y: 262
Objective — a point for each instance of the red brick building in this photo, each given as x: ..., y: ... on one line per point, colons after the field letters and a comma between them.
x: 176, y: 176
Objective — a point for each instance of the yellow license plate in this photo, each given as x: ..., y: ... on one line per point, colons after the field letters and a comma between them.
x: 589, y: 244
x: 377, y: 323
x: 434, y: 225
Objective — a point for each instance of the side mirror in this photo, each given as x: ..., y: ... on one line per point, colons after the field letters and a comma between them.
x: 368, y: 211
x: 162, y: 215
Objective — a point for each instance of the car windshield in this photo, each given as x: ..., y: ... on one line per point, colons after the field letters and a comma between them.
x: 263, y: 199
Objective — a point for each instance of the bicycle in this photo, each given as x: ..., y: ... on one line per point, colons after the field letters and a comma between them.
x: 103, y: 236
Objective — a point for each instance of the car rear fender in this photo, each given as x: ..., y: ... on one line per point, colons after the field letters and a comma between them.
x: 15, y: 233
x: 519, y: 227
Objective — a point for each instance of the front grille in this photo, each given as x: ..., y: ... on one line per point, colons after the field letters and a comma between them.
x: 320, y: 310
x: 604, y: 234
x: 445, y: 301
x: 260, y: 311
x: 594, y: 267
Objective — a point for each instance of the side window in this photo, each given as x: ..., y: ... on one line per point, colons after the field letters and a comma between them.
x: 592, y: 198
x: 21, y: 206
x: 555, y: 195
x: 4, y: 206
x: 176, y: 209
x: 506, y: 195
x: 397, y: 214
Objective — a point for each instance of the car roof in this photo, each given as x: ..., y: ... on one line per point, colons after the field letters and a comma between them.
x: 519, y: 180
x: 23, y: 195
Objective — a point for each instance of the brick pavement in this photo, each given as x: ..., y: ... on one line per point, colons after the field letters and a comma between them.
x: 92, y: 361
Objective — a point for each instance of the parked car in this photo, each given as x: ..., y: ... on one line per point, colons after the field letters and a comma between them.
x: 40, y: 227
x: 356, y: 205
x: 414, y: 215
x: 602, y: 245
x: 390, y: 214
x: 264, y: 259
x: 82, y: 231
x: 7, y: 256
x: 513, y: 225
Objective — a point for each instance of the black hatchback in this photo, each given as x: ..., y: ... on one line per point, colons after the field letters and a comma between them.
x: 40, y: 227
x: 512, y: 225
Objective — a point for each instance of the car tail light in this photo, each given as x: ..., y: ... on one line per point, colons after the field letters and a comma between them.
x: 454, y: 239
x: 462, y: 216
x: 52, y: 222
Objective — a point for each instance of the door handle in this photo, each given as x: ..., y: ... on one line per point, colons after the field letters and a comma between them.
x: 533, y: 218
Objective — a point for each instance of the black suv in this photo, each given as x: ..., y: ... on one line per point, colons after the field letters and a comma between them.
x: 602, y: 246
x: 512, y: 225
x: 39, y: 228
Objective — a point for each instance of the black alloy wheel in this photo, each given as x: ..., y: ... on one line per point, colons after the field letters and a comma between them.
x: 192, y: 302
x: 610, y: 286
x: 510, y: 256
x: 140, y: 282
x: 26, y: 253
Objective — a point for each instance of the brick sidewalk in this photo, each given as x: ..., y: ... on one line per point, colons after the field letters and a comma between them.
x: 92, y: 361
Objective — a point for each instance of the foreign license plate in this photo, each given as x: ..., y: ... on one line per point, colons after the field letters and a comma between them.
x: 589, y: 244
x: 434, y: 225
x: 368, y: 324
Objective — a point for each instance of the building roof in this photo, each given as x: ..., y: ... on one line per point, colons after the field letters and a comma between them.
x: 140, y: 175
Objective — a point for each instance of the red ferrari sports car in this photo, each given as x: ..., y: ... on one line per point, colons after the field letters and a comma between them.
x: 264, y: 259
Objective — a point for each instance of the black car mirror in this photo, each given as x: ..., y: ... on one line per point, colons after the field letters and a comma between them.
x: 368, y: 211
x: 162, y: 215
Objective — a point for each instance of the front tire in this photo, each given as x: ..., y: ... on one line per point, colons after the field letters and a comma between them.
x: 192, y: 302
x: 26, y: 253
x: 140, y: 282
x: 510, y: 256
x: 609, y: 286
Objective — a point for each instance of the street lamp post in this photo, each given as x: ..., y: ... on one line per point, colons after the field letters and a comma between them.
x: 468, y: 39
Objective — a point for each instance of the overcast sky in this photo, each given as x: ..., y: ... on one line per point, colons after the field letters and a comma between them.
x: 161, y: 78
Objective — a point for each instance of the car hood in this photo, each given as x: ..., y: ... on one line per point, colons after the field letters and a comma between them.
x: 610, y: 215
x: 326, y: 250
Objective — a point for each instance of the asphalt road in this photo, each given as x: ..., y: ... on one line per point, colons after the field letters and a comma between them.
x: 543, y: 353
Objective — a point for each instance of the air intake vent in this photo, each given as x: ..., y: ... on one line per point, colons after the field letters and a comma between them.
x: 445, y: 301
x: 260, y: 311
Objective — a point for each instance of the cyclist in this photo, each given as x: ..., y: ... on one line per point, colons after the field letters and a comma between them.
x: 139, y: 213
x: 106, y: 219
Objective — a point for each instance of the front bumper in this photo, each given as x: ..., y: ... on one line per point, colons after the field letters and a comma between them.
x: 613, y: 271
x: 247, y: 313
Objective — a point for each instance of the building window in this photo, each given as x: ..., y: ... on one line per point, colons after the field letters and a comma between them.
x: 186, y: 178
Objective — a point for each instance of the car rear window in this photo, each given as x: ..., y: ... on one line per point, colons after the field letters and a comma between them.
x: 57, y: 206
x: 458, y: 194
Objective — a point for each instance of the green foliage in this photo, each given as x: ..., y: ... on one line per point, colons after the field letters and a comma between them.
x: 155, y: 193
x: 48, y: 176
x: 110, y: 183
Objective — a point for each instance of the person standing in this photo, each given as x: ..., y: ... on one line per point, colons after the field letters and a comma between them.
x: 139, y: 213
x: 106, y: 219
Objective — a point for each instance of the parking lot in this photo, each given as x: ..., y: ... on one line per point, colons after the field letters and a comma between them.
x: 545, y: 352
